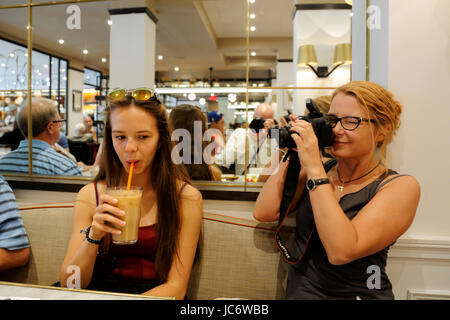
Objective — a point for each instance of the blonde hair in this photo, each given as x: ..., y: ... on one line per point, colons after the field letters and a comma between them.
x: 322, y: 103
x: 380, y: 105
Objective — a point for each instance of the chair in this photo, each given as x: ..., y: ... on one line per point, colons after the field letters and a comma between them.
x: 80, y: 150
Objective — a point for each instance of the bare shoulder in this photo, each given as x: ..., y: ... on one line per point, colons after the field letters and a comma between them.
x: 401, y: 184
x: 190, y: 193
x: 87, y: 195
x: 400, y: 179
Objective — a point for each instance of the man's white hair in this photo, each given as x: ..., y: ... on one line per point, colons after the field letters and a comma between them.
x: 79, y: 129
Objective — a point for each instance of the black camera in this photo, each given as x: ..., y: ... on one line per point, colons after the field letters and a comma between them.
x: 319, y: 122
x: 258, y: 123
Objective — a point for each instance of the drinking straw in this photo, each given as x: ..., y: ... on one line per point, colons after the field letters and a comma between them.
x: 129, y: 176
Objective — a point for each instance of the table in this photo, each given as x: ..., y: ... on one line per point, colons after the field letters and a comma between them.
x: 20, y: 291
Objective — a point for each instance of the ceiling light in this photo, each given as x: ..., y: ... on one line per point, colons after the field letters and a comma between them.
x: 110, y: 22
x: 252, y: 28
x: 26, y: 54
x: 176, y: 69
x: 202, y: 101
x: 103, y: 59
x: 252, y: 16
x: 253, y: 53
x: 3, y: 65
x: 251, y: 1
x: 232, y: 97
x: 192, y: 96
x: 85, y: 51
x: 45, y: 66
x: 61, y: 41
x: 160, y: 57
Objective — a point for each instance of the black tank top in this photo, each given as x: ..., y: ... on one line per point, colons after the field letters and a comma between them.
x: 315, y: 278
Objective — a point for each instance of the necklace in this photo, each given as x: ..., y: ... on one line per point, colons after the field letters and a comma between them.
x: 341, y: 187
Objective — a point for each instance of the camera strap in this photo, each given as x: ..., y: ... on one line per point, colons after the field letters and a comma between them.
x: 290, y: 187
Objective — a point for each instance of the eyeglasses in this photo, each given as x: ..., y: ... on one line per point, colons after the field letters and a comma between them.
x: 58, y: 121
x: 139, y: 94
x: 348, y: 123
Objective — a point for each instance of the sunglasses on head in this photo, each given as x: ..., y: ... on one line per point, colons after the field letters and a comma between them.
x: 139, y: 94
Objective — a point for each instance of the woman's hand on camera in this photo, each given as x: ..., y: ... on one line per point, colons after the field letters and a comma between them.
x: 307, y: 146
x: 106, y: 215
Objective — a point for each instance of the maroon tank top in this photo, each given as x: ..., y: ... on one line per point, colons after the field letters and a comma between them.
x: 133, y: 263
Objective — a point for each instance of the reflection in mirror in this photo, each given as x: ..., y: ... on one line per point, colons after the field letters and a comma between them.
x: 270, y: 47
x: 266, y: 134
x: 13, y: 74
x: 197, y: 54
x: 322, y: 49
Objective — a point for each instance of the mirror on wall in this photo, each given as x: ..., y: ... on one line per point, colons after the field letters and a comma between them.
x: 13, y: 74
x: 198, y: 53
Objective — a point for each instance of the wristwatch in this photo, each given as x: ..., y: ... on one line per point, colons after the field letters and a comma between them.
x: 86, y: 232
x: 311, y: 184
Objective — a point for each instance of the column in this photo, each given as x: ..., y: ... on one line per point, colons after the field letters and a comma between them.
x: 323, y: 26
x: 132, y: 48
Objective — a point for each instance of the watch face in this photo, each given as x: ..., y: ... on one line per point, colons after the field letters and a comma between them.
x: 310, y: 184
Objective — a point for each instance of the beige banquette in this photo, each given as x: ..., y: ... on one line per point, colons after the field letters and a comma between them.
x: 238, y: 258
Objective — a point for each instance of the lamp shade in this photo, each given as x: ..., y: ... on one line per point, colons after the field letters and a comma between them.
x: 343, y: 53
x: 306, y: 55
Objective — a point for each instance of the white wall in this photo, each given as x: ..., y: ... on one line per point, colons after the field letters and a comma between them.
x: 419, y: 76
x: 76, y: 82
x: 323, y: 29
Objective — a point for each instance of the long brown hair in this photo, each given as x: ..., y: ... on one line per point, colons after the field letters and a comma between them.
x: 184, y: 117
x: 163, y: 177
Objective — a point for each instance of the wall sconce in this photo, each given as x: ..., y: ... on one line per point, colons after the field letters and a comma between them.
x: 307, y: 57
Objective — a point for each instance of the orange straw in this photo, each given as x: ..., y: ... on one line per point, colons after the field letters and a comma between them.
x: 129, y: 176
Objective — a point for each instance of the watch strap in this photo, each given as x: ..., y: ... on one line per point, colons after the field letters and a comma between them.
x: 311, y: 184
x: 89, y: 239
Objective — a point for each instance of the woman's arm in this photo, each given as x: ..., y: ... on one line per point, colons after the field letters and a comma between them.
x: 378, y: 224
x: 191, y: 220
x: 80, y: 252
x: 382, y: 221
x: 267, y: 206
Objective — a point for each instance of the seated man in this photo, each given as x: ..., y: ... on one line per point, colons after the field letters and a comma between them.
x: 14, y: 244
x: 80, y: 135
x: 46, y: 128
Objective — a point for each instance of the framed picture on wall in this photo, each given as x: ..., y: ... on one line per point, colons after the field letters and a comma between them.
x: 77, y: 98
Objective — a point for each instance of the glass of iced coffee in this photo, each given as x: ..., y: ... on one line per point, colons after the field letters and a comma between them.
x: 130, y: 202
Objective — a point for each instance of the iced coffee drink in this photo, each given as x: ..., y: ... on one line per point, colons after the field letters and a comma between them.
x: 130, y: 202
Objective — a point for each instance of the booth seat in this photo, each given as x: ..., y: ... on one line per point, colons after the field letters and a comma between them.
x: 238, y: 258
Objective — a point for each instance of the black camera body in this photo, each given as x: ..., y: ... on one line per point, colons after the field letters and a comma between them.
x: 319, y: 122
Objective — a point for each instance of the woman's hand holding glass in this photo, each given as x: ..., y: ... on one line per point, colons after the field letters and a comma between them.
x: 105, y: 217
